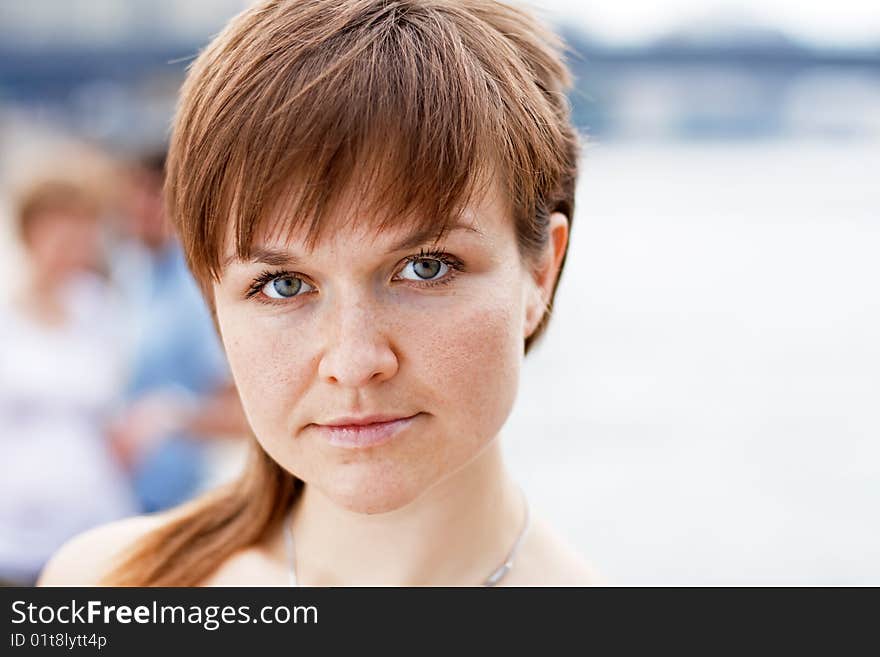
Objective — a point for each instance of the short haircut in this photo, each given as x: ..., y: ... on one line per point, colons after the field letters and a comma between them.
x: 421, y: 102
x: 43, y: 196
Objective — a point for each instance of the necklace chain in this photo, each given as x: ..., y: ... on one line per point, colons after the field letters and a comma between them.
x: 492, y: 580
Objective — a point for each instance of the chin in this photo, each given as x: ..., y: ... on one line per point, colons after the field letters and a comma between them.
x: 372, y: 494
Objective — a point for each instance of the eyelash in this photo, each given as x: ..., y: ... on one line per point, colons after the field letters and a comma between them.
x: 265, y: 277
x: 454, y: 264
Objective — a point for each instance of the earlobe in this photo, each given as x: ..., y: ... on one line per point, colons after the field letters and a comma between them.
x: 535, y: 307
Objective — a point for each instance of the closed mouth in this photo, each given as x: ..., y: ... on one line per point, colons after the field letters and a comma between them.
x: 364, y: 434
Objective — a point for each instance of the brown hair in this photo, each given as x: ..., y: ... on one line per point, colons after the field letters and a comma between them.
x: 51, y: 195
x: 422, y: 102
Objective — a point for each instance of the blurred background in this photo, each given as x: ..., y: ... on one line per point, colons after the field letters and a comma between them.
x: 705, y: 407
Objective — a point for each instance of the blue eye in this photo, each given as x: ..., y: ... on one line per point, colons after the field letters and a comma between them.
x: 425, y: 269
x: 285, y: 287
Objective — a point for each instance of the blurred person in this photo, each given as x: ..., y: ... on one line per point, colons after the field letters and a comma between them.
x: 379, y: 258
x: 62, y: 364
x: 178, y: 391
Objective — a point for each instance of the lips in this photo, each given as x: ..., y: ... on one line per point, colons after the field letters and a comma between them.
x: 365, y: 431
x: 350, y: 421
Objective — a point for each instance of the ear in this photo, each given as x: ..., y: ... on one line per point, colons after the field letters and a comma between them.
x: 545, y: 272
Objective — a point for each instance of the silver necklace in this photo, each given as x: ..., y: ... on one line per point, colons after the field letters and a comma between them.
x: 492, y: 580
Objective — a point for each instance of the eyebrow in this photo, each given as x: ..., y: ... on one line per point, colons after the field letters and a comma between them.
x: 282, y: 257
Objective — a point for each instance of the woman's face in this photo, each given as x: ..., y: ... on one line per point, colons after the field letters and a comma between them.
x: 363, y: 327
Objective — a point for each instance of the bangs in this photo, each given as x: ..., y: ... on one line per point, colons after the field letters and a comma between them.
x: 408, y: 109
x: 380, y: 139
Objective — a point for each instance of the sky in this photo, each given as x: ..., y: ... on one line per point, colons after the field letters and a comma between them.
x: 824, y: 22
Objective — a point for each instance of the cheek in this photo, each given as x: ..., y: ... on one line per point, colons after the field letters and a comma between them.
x: 268, y: 370
x: 473, y: 360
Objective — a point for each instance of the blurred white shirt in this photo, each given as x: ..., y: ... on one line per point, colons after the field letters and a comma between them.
x: 58, y: 386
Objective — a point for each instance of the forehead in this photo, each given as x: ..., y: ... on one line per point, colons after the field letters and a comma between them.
x: 355, y: 223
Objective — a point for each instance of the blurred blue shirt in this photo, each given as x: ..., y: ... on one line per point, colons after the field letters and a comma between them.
x: 175, y: 350
x: 177, y: 344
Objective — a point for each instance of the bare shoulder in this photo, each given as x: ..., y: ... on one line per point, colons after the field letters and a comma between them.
x: 85, y: 558
x: 547, y: 559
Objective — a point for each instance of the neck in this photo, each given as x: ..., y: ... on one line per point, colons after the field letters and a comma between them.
x: 456, y: 533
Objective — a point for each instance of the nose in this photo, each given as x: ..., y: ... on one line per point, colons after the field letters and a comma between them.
x: 357, y: 352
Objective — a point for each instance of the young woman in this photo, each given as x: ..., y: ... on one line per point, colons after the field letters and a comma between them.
x: 375, y: 197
